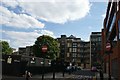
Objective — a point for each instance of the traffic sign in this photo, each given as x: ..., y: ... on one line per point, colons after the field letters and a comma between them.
x: 108, y: 46
x: 44, y: 48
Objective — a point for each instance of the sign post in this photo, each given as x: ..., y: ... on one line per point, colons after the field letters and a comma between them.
x: 44, y: 50
x: 108, y: 51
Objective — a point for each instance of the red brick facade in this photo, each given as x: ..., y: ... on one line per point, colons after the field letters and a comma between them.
x: 111, y: 32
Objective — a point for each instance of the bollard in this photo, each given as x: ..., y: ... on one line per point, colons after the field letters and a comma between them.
x: 53, y: 74
x: 63, y: 67
x: 101, y: 75
x: 63, y: 73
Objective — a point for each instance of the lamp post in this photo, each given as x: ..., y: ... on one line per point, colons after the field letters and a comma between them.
x: 63, y: 68
x: 54, y: 67
x: 44, y: 50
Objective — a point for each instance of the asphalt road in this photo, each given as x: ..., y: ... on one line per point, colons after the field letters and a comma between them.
x: 77, y: 75
x: 84, y: 73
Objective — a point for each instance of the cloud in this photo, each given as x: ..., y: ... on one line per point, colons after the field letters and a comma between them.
x: 103, y: 16
x: 35, y: 11
x: 9, y: 3
x: 46, y: 32
x: 24, y: 38
x: 9, y: 18
x: 7, y: 40
x: 55, y: 11
x: 98, y: 0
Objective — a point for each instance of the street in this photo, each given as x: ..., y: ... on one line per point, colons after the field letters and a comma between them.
x: 84, y: 73
x: 77, y: 75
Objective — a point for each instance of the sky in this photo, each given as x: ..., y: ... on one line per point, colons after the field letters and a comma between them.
x: 21, y: 22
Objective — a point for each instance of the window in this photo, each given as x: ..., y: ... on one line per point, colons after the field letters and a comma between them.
x: 62, y: 42
x: 78, y: 45
x: 74, y: 55
x: 68, y: 54
x: 68, y: 44
x: 74, y: 50
x: 78, y: 55
x: 78, y: 50
x: 63, y: 49
x: 73, y: 60
x: 70, y: 49
x: 74, y: 44
x: 81, y: 50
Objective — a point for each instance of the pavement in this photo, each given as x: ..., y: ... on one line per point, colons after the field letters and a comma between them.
x: 105, y: 77
x: 49, y: 76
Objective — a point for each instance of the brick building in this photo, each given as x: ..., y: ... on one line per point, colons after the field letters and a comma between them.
x: 111, y: 32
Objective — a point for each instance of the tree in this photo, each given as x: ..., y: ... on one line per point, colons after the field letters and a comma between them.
x: 52, y: 45
x: 5, y: 48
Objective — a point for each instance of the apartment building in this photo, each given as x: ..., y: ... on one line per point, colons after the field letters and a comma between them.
x: 85, y: 54
x: 69, y: 48
x: 95, y: 47
x: 74, y: 50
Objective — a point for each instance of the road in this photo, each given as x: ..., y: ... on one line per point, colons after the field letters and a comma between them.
x: 77, y: 75
x: 85, y: 72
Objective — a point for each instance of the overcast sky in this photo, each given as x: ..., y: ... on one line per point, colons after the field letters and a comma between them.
x: 22, y: 21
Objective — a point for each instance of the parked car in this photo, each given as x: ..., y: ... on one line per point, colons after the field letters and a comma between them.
x: 94, y: 69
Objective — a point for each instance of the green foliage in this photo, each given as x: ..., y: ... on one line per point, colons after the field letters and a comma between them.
x: 52, y: 45
x: 5, y: 48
